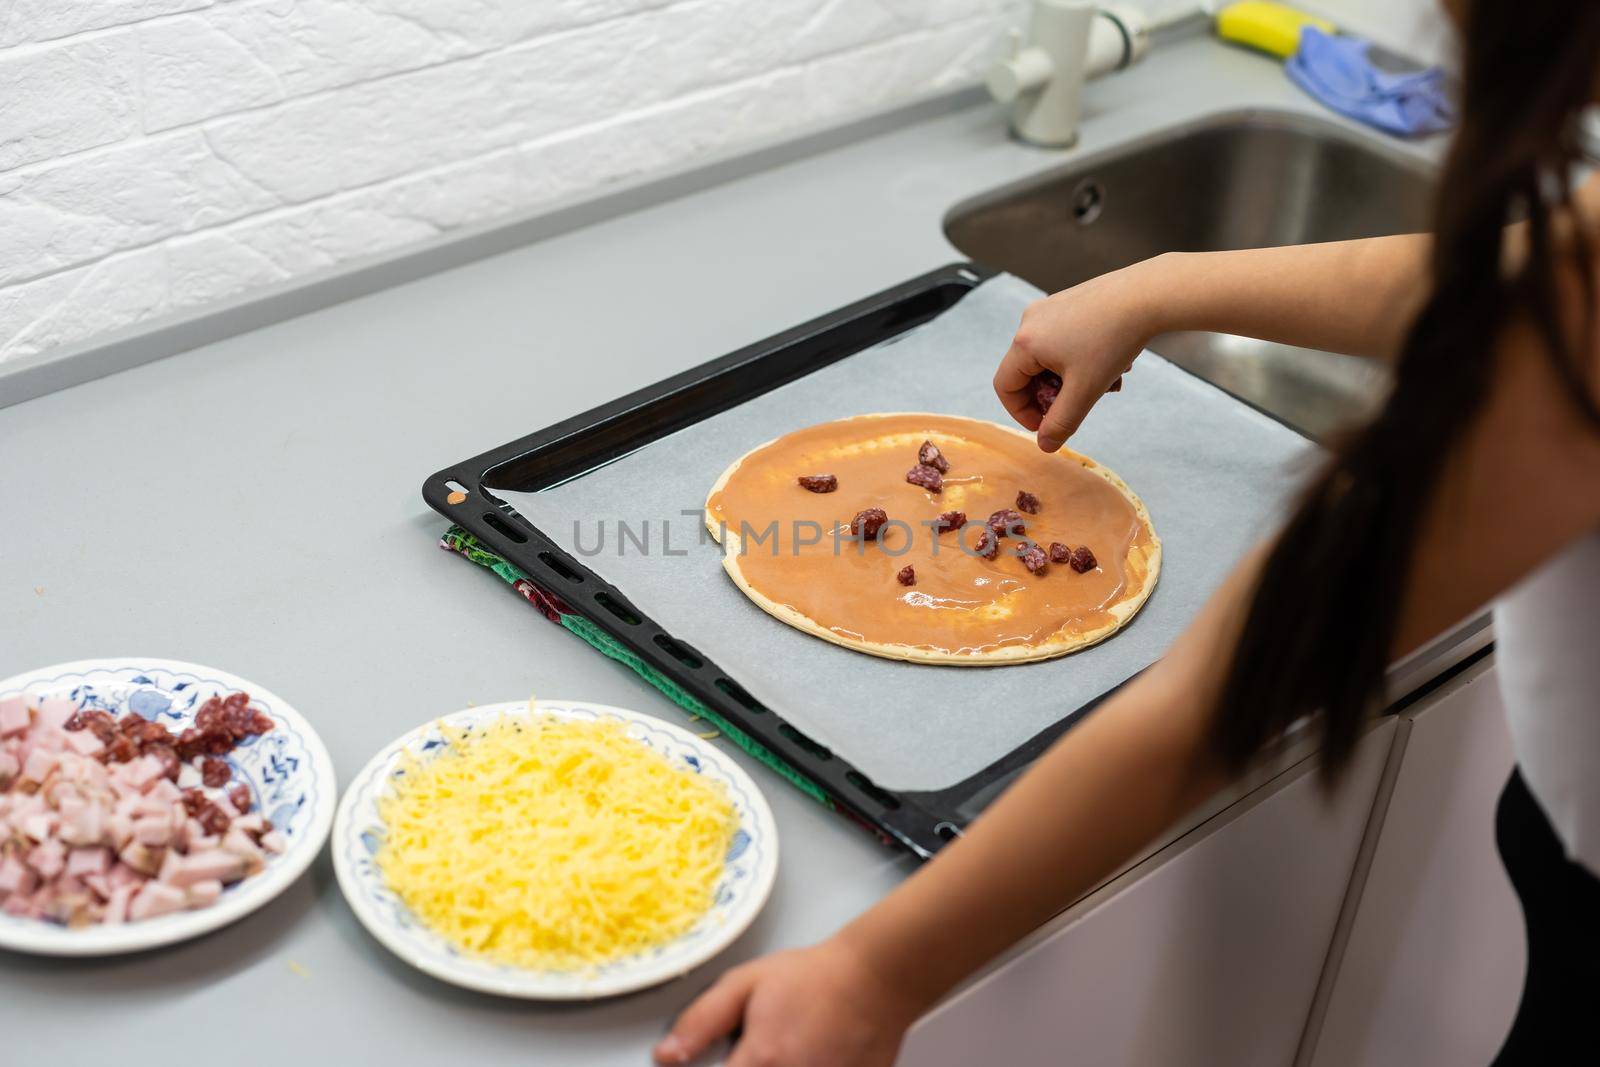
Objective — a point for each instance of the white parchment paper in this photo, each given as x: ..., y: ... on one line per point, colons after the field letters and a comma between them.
x: 1213, y: 472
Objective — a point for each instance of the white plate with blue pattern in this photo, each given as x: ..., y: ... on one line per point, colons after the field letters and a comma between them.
x: 288, y: 770
x: 745, y: 884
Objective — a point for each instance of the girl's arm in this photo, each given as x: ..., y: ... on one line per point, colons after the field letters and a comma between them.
x: 1354, y: 297
x: 1525, y: 482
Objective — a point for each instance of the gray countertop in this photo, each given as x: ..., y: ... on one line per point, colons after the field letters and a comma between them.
x: 254, y: 505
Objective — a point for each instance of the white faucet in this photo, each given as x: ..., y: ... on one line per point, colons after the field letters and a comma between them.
x: 1068, y: 42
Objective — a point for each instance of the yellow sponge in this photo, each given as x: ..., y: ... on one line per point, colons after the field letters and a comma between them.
x: 1273, y: 28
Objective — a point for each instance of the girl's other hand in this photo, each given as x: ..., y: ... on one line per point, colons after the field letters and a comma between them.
x: 1088, y: 335
x: 815, y: 1007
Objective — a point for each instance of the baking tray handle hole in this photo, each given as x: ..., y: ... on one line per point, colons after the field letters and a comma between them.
x: 805, y: 743
x: 863, y: 783
x: 504, y: 527
x: 556, y: 564
x: 736, y: 691
x: 678, y: 652
x: 617, y: 608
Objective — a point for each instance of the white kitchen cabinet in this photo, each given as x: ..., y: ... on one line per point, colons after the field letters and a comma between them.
x: 1207, y: 952
x: 1432, y: 967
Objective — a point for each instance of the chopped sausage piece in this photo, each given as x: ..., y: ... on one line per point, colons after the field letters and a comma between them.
x: 867, y: 523
x: 167, y: 757
x: 907, y: 576
x: 819, y: 483
x: 1006, y: 523
x: 950, y: 520
x: 1083, y: 560
x: 120, y: 750
x: 988, y: 545
x: 215, y: 773
x: 930, y: 456
x: 239, y: 796
x: 190, y: 743
x: 147, y: 733
x: 211, y: 818
x: 99, y: 723
x: 1046, y: 387
x: 1026, y: 501
x: 1059, y: 553
x: 1033, y: 558
x: 927, y: 477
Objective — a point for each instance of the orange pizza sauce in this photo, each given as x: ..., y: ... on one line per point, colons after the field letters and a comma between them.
x: 960, y: 603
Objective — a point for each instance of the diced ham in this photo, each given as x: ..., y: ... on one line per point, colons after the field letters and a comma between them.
x: 52, y: 713
x: 13, y: 716
x: 142, y: 858
x: 254, y: 823
x: 239, y: 843
x: 49, y: 858
x: 153, y: 830
x: 156, y: 898
x: 86, y: 861
x: 51, y: 741
x: 39, y: 765
x: 15, y: 878
x: 171, y: 864
x: 82, y: 822
x: 142, y: 773
x: 39, y: 825
x: 100, y: 883
x: 119, y: 830
x: 112, y: 820
x: 216, y: 864
x: 84, y: 743
x: 123, y: 875
x: 23, y: 906
x: 117, y: 904
x: 150, y: 805
x: 204, y: 894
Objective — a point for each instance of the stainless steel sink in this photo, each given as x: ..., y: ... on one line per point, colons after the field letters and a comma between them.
x: 1239, y: 180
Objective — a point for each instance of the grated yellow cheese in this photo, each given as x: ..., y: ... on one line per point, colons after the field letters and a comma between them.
x: 553, y: 845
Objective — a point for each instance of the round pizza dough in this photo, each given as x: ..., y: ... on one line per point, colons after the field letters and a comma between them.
x: 900, y: 434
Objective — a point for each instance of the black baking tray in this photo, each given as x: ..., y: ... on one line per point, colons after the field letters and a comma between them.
x: 920, y: 821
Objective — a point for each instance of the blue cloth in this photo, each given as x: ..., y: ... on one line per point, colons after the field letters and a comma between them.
x: 1337, y: 71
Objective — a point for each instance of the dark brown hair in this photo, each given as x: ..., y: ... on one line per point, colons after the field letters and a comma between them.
x: 1321, y: 628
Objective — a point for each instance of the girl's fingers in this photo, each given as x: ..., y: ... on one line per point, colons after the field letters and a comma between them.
x: 748, y: 1055
x: 1016, y: 370
x: 1064, y: 416
x: 714, y: 1014
x: 1013, y: 384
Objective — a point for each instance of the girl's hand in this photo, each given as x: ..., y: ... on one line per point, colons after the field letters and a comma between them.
x: 815, y: 1007
x: 1088, y: 335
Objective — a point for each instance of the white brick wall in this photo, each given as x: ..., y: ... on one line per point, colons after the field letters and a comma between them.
x: 156, y: 155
